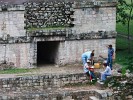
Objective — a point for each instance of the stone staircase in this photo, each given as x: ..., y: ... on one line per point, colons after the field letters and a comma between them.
x: 52, y: 87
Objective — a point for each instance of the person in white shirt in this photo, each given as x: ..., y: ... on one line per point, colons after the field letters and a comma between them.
x: 89, y: 70
x: 105, y: 73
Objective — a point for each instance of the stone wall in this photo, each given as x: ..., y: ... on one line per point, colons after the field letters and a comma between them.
x: 84, y: 16
x: 12, y: 22
x: 48, y: 87
x: 71, y: 51
x: 94, y: 19
x: 44, y: 82
x: 68, y: 51
x: 76, y: 25
x: 21, y: 55
x: 48, y: 14
x: 59, y: 95
x: 45, y: 86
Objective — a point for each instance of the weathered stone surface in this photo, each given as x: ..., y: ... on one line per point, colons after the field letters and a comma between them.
x: 78, y: 25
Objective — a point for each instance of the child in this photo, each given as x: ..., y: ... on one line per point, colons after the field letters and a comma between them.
x: 107, y: 71
x: 89, y: 70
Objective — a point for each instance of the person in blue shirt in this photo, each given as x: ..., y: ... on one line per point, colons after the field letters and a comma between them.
x: 87, y: 55
x: 106, y: 72
x: 110, y: 56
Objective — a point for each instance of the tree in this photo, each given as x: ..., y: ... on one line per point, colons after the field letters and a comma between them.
x: 125, y: 15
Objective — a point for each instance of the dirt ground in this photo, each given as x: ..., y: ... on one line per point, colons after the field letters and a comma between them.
x: 55, y: 69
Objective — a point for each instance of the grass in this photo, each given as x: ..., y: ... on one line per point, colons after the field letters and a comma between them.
x: 123, y: 28
x: 46, y: 28
x: 122, y: 54
x: 80, y: 84
x: 15, y: 71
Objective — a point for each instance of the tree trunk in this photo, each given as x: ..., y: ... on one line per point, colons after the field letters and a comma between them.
x: 129, y: 19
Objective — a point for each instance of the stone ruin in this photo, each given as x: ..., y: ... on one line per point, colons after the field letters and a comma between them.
x: 34, y: 33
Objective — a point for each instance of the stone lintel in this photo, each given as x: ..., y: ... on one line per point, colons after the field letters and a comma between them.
x: 42, y: 36
x: 91, y: 35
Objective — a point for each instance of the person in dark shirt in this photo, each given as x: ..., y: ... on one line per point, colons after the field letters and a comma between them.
x: 110, y: 56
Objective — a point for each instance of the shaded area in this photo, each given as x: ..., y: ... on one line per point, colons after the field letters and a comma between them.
x: 123, y: 56
x: 47, y: 52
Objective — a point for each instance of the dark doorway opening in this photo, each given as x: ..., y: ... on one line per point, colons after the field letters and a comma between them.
x: 47, y: 52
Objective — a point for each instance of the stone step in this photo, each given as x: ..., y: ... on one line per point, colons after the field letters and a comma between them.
x: 59, y: 94
x: 45, y: 81
x: 104, y: 94
x: 93, y: 98
x: 100, y: 85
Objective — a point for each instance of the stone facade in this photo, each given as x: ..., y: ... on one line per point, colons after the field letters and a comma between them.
x: 64, y: 29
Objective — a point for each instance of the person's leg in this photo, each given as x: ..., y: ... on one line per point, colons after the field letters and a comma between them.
x: 110, y: 64
x: 103, y: 76
x: 87, y: 73
x: 92, y: 74
x: 108, y: 61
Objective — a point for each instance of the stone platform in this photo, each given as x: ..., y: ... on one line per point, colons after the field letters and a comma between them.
x: 51, y: 83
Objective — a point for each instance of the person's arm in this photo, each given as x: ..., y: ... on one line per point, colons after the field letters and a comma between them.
x: 86, y: 66
x: 106, y: 70
x: 113, y: 54
x: 92, y: 59
x: 107, y: 46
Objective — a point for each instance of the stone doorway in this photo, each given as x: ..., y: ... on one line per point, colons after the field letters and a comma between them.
x: 47, y: 52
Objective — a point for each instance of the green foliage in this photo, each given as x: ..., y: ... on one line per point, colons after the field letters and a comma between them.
x: 130, y: 64
x: 123, y: 70
x: 125, y: 16
x: 120, y: 85
x: 125, y: 59
x: 120, y: 28
x: 80, y: 84
x: 122, y: 56
x: 124, y: 8
x: 15, y: 71
x: 45, y: 28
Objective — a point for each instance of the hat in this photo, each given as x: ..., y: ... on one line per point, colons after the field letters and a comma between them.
x: 88, y: 60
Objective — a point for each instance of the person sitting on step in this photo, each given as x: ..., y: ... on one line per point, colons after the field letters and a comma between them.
x: 106, y: 72
x: 89, y: 70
